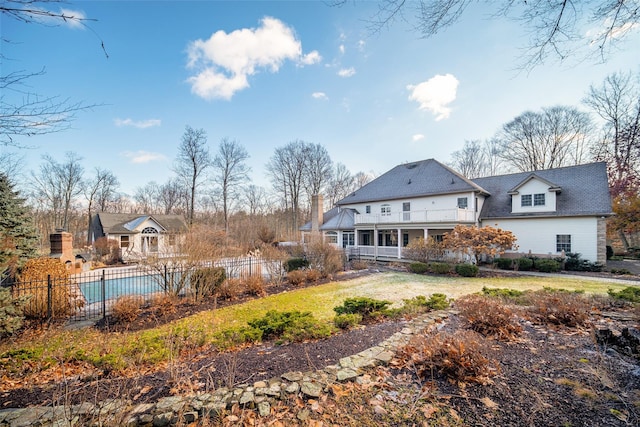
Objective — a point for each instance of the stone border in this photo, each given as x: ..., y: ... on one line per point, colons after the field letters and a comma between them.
x: 172, y: 410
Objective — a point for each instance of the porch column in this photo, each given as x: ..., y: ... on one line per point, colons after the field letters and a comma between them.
x: 355, y: 238
x: 426, y: 234
x: 399, y: 243
x: 375, y: 243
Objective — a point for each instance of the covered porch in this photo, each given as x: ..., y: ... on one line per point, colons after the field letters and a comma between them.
x: 389, y: 243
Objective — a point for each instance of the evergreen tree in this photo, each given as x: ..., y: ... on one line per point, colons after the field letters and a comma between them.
x: 18, y: 236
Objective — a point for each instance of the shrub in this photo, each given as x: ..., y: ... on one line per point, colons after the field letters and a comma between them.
x: 559, y: 307
x: 422, y: 250
x: 460, y: 357
x: 234, y: 337
x: 574, y: 262
x: 312, y: 275
x: 547, y: 265
x: 107, y: 250
x: 290, y: 325
x: 367, y: 307
x: 163, y: 304
x: 504, y: 263
x: 467, y: 270
x: 11, y: 312
x: 489, y: 317
x: 501, y: 292
x: 66, y: 297
x: 418, y: 267
x: 205, y: 282
x: 347, y: 320
x: 524, y: 264
x: 440, y: 267
x: 296, y: 277
x: 255, y: 286
x: 359, y: 265
x: 630, y: 293
x: 293, y: 264
x: 325, y: 257
x: 620, y: 271
x: 231, y: 289
x: 126, y: 308
x: 420, y: 303
x: 274, y: 266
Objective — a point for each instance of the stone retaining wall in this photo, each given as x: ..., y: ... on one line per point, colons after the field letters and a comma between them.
x: 187, y: 409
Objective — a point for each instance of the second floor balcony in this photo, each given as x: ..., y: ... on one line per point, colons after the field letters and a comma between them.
x: 421, y: 216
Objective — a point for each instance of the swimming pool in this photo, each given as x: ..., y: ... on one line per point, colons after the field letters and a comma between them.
x: 114, y: 288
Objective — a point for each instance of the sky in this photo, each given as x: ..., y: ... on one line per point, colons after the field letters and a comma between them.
x: 268, y: 73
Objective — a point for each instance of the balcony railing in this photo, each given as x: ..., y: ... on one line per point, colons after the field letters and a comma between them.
x: 423, y: 216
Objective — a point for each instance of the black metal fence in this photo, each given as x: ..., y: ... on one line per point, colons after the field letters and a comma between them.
x: 90, y: 295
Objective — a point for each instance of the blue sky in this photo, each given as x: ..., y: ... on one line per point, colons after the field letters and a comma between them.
x: 267, y: 73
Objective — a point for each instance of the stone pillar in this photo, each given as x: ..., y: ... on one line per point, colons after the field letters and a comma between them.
x: 601, y: 227
x: 62, y: 246
x: 316, y: 213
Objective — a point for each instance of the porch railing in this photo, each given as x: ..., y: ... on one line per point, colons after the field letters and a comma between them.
x: 422, y: 216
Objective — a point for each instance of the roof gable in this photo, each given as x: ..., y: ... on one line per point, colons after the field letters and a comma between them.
x: 417, y: 179
x: 533, y: 176
x: 119, y: 223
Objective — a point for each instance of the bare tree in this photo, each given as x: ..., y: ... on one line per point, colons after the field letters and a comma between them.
x: 556, y: 136
x: 193, y: 159
x: 318, y: 169
x: 147, y: 198
x: 100, y: 190
x: 341, y: 184
x: 57, y: 185
x: 25, y: 113
x: 172, y: 196
x: 363, y: 178
x: 255, y: 200
x: 556, y: 29
x: 230, y: 171
x: 477, y: 158
x: 617, y: 103
x: 286, y: 168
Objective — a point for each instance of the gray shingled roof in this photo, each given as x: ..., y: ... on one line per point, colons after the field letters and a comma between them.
x: 423, y: 178
x: 335, y: 219
x: 114, y: 223
x: 584, y: 191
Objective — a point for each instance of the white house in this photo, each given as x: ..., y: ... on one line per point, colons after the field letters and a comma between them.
x: 549, y: 211
x: 139, y: 235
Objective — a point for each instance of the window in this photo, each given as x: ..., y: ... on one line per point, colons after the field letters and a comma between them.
x: 405, y: 239
x: 124, y: 241
x: 367, y: 209
x: 525, y: 200
x: 438, y: 237
x: 171, y: 240
x: 385, y: 210
x: 406, y: 211
x: 538, y: 199
x: 563, y: 243
x: 462, y: 202
x: 331, y: 237
x: 348, y: 239
x: 149, y: 230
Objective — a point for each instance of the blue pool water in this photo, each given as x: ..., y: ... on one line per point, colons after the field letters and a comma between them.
x: 135, y: 285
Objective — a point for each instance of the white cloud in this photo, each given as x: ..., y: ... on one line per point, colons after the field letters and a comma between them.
x: 142, y: 156
x: 417, y: 137
x: 140, y: 124
x: 347, y: 72
x: 320, y: 95
x: 361, y: 45
x: 73, y: 18
x: 596, y: 34
x: 341, y: 48
x: 223, y: 63
x: 435, y: 94
x: 76, y: 18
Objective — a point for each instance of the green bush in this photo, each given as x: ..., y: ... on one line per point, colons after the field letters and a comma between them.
x: 504, y: 263
x: 630, y: 293
x: 438, y: 301
x: 418, y: 267
x: 440, y: 267
x: 295, y: 264
x: 366, y: 307
x: 347, y: 320
x: 524, y: 263
x: 290, y: 326
x: 574, y: 262
x: 467, y: 270
x: 206, y: 282
x: 547, y: 265
x: 620, y: 271
x: 11, y: 312
x: 501, y: 292
x: 234, y: 337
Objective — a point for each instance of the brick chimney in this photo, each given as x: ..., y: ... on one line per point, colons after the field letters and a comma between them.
x: 316, y: 213
x: 62, y: 246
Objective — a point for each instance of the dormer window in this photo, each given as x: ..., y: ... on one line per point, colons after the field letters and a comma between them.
x: 538, y: 199
x: 525, y: 200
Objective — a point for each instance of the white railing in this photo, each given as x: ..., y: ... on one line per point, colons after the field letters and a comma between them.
x: 424, y: 216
